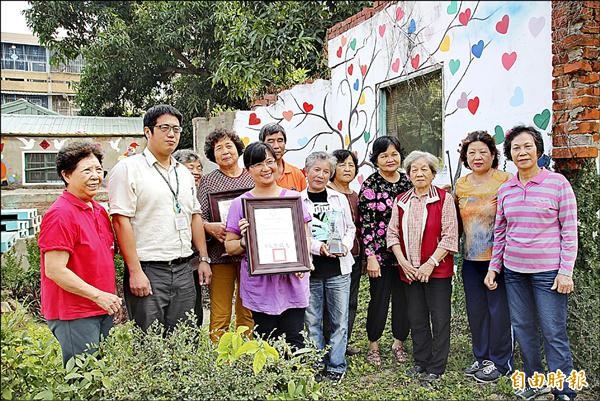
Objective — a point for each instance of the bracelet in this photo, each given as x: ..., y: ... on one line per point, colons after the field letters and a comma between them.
x: 435, y: 262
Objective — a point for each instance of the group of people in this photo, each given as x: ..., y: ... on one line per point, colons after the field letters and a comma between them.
x: 519, y: 247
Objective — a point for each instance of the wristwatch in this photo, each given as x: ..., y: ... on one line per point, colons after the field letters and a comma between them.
x: 205, y: 259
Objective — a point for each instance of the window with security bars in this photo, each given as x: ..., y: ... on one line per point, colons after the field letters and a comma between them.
x: 23, y: 57
x: 414, y: 113
x: 40, y: 168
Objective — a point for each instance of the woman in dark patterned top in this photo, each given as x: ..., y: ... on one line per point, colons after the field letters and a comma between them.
x: 224, y: 148
x: 375, y: 201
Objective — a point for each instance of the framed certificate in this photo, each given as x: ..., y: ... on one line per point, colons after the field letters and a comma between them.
x: 276, y: 241
x: 220, y: 203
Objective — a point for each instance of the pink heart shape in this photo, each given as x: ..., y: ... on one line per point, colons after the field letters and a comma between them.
x: 415, y: 61
x: 508, y: 59
x: 502, y: 25
x: 339, y: 52
x: 381, y: 30
x: 361, y: 179
x: 288, y: 114
x: 350, y: 69
x: 399, y: 14
x: 461, y: 103
x: 465, y: 16
x: 363, y: 69
x: 396, y: 65
x: 344, y: 40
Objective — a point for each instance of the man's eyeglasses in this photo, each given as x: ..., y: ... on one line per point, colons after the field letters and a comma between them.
x: 165, y: 128
x: 268, y: 163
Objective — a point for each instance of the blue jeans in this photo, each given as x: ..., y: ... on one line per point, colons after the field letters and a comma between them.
x: 530, y: 300
x: 335, y: 291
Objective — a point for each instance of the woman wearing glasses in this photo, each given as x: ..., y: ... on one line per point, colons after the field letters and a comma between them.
x: 224, y: 148
x: 277, y: 301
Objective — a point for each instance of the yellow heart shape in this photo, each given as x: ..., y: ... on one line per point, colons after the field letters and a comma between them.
x: 362, y: 99
x: 245, y: 140
x: 347, y: 139
x: 445, y: 45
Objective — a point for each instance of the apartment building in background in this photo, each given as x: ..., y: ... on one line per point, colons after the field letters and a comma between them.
x: 27, y: 74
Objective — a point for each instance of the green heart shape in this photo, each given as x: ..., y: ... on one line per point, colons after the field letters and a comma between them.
x: 366, y: 136
x: 353, y: 44
x: 452, y: 8
x: 454, y: 65
x: 499, y: 135
x: 542, y: 120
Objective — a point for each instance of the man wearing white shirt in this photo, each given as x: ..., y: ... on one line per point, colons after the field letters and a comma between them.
x: 156, y: 217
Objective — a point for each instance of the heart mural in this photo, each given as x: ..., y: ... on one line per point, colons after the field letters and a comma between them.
x: 452, y: 7
x: 356, y: 84
x: 382, y: 30
x: 344, y: 40
x: 350, y: 69
x: 253, y: 119
x: 245, y: 140
x: 542, y: 119
x: 363, y: 69
x: 339, y: 125
x: 412, y: 26
x: 498, y: 135
x: 445, y: 45
x: 366, y: 136
x: 461, y: 103
x: 352, y: 44
x: 415, y: 61
x: 302, y: 141
x: 508, y: 59
x: 477, y: 49
x: 339, y: 52
x: 464, y: 17
x: 517, y: 97
x: 287, y: 115
x: 362, y: 99
x: 473, y: 105
x: 307, y: 107
x: 536, y: 25
x: 399, y: 14
x: 502, y: 25
x: 396, y: 65
x: 454, y: 65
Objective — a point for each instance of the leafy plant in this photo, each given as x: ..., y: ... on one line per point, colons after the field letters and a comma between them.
x: 234, y: 345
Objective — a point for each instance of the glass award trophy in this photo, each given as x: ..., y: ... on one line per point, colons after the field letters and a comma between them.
x: 334, y: 241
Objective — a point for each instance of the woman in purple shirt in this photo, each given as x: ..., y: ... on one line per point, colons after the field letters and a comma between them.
x: 277, y: 301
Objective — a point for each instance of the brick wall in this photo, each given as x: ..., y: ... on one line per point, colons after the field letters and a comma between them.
x: 576, y: 82
x: 356, y: 19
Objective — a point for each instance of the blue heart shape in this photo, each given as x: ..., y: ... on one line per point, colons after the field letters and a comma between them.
x: 477, y: 49
x: 356, y: 84
x: 517, y: 97
x: 302, y: 141
x: 412, y: 26
x: 544, y: 161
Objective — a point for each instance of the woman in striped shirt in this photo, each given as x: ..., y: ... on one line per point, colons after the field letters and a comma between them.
x: 535, y: 240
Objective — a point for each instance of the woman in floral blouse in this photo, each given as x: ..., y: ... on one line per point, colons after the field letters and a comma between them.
x: 376, y: 197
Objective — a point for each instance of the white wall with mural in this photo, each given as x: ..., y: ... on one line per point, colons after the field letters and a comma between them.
x: 496, y: 67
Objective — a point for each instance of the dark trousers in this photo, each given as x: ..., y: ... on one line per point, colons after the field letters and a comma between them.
x: 80, y: 336
x: 198, y: 310
x: 381, y: 289
x: 352, y: 302
x: 173, y: 295
x: 429, y: 311
x: 354, y: 287
x: 489, y: 318
x: 290, y: 322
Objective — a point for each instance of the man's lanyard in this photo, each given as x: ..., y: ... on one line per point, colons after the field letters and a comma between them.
x: 175, y: 193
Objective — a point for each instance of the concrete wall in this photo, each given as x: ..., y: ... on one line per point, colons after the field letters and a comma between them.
x: 202, y: 127
x: 13, y: 148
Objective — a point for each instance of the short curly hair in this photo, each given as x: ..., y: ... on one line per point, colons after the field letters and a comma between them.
x: 72, y: 153
x: 520, y: 129
x: 215, y: 136
x: 479, y: 136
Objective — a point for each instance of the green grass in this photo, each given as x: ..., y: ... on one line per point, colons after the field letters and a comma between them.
x: 366, y: 382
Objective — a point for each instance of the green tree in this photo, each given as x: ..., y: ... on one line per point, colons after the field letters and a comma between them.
x: 196, y: 55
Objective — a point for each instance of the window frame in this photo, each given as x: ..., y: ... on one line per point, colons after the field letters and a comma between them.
x: 24, y: 169
x: 381, y: 109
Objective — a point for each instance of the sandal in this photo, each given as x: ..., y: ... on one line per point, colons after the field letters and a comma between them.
x: 400, y: 354
x: 374, y: 357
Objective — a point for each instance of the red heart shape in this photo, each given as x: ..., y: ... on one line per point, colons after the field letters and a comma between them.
x: 253, y: 120
x: 415, y: 61
x: 382, y: 30
x: 508, y: 59
x: 502, y: 25
x: 339, y: 52
x: 350, y: 69
x: 363, y: 69
x: 339, y: 126
x: 465, y: 16
x: 396, y: 65
x: 307, y: 107
x: 473, y: 105
x: 1, y: 147
x: 288, y: 114
x: 399, y: 14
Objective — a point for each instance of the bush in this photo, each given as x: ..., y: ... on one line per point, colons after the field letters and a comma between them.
x: 131, y: 364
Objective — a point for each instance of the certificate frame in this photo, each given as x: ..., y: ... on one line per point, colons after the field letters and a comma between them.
x: 216, y: 198
x: 302, y: 262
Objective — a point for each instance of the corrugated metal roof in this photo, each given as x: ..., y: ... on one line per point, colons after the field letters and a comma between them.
x: 21, y: 124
